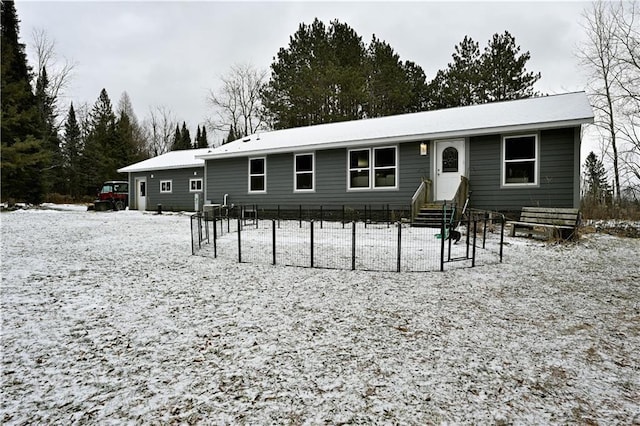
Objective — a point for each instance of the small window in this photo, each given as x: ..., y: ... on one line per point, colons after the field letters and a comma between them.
x: 304, y: 172
x: 195, y: 185
x: 359, y: 169
x: 520, y: 164
x: 257, y: 175
x: 165, y: 187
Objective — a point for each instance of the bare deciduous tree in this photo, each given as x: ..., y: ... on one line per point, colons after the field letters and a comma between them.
x: 611, y: 57
x: 237, y: 103
x: 159, y: 128
x: 59, y: 73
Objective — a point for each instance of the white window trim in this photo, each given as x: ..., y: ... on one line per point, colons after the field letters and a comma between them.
x: 296, y: 173
x: 164, y: 191
x: 372, y: 169
x: 259, y: 191
x: 536, y: 164
x: 191, y: 185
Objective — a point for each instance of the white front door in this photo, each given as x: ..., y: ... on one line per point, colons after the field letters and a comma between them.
x: 450, y: 166
x: 141, y: 193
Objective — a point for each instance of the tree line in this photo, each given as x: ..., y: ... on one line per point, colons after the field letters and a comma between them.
x: 328, y: 74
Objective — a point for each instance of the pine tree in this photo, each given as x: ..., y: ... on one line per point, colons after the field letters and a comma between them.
x: 53, y: 179
x: 204, y: 143
x: 202, y: 140
x: 22, y: 155
x: 72, y: 155
x: 498, y: 74
x: 196, y: 142
x: 177, y: 139
x: 101, y: 147
x: 185, y: 143
x: 597, y: 188
x: 503, y: 71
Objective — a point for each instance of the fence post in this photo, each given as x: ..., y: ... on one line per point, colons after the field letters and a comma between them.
x: 468, y: 232
x: 255, y: 214
x: 353, y: 246
x: 239, y: 239
x: 193, y: 249
x: 365, y: 216
x: 278, y: 216
x: 273, y: 237
x: 343, y: 216
x: 484, y: 230
x: 215, y: 235
x: 300, y: 215
x: 442, y: 237
x: 321, y: 217
x: 501, y: 237
x: 311, y: 228
x: 399, y: 244
x: 473, y: 260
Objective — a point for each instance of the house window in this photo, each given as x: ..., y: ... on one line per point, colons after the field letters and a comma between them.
x: 359, y: 169
x: 165, y: 187
x: 385, y: 167
x: 382, y: 175
x: 520, y: 160
x: 195, y: 185
x: 257, y: 174
x: 304, y: 172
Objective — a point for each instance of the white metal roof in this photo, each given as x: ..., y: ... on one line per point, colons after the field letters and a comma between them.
x: 570, y: 109
x: 171, y: 160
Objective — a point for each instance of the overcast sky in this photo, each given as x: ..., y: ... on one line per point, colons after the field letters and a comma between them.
x: 172, y: 53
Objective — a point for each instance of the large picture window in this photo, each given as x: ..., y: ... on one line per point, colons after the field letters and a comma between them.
x: 520, y: 160
x: 304, y: 179
x: 257, y: 175
x: 165, y: 186
x: 379, y: 175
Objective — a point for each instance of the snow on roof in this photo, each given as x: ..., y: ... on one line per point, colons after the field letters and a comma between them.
x: 181, y: 159
x: 568, y: 109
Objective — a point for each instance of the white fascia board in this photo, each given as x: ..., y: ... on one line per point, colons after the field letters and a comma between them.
x: 156, y: 168
x: 400, y: 139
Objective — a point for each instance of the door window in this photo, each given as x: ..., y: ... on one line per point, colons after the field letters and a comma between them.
x: 450, y: 160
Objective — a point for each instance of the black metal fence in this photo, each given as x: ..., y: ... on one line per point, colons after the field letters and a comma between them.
x: 382, y: 240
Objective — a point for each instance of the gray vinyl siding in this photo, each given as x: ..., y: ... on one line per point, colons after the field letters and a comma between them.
x: 230, y: 176
x: 556, y: 186
x: 180, y: 198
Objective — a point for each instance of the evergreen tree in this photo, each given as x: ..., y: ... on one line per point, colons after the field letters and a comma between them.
x: 231, y: 136
x: 53, y: 179
x: 498, y: 74
x: 22, y: 155
x: 597, y: 188
x: 72, y: 155
x: 459, y: 84
x: 131, y: 132
x: 101, y: 147
x: 503, y: 70
x: 327, y: 74
x: 203, y: 142
x: 196, y: 142
x: 177, y: 139
x: 389, y: 87
x: 185, y: 142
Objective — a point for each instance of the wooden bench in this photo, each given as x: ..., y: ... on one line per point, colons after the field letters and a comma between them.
x: 562, y: 222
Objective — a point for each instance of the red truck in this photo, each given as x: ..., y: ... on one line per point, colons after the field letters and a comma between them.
x: 114, y: 195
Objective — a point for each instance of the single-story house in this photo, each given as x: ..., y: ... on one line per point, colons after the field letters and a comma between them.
x: 174, y: 180
x: 513, y: 154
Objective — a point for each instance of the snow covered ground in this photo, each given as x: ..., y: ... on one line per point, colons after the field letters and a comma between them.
x: 108, y: 318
